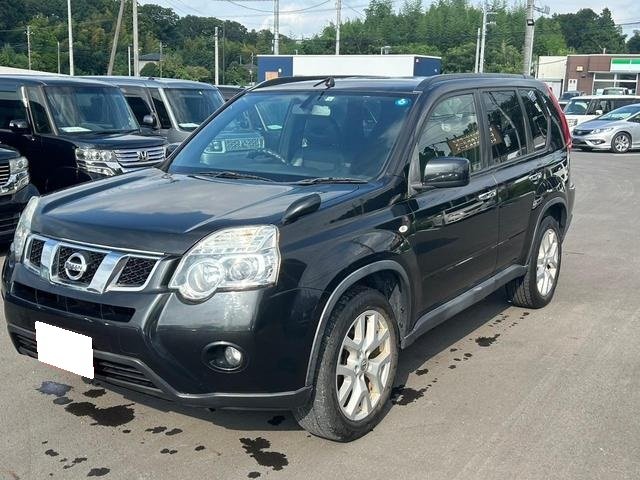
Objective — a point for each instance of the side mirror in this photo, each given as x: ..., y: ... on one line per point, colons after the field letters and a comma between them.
x: 599, y: 112
x: 149, y: 120
x: 19, y: 126
x: 446, y: 172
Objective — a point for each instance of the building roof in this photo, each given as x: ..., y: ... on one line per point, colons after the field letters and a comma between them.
x: 150, y: 57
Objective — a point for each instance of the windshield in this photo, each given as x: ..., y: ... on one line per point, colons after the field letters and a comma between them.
x: 621, y: 113
x: 569, y: 95
x: 81, y: 109
x: 192, y: 106
x: 576, y: 107
x: 301, y: 135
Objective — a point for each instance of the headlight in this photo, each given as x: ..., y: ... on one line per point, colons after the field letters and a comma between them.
x: 24, y: 227
x: 19, y: 171
x: 231, y: 259
x: 97, y: 161
x: 602, y: 130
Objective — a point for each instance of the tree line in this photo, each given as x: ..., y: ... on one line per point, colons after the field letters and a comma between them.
x: 446, y: 28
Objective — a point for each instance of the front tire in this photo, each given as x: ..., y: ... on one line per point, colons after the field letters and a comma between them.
x: 536, y: 288
x: 356, y: 368
x: 621, y: 143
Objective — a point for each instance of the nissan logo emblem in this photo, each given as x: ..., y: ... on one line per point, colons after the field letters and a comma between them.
x: 75, y: 266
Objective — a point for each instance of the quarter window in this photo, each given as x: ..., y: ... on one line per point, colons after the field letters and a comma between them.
x: 11, y: 108
x: 451, y: 131
x: 506, y: 125
x: 158, y: 103
x: 537, y: 117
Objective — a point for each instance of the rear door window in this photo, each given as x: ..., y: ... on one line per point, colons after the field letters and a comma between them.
x: 11, y: 108
x: 451, y: 131
x: 537, y: 117
x: 138, y: 101
x: 506, y: 125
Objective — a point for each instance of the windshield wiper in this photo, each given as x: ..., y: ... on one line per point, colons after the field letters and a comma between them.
x: 230, y: 174
x: 314, y: 181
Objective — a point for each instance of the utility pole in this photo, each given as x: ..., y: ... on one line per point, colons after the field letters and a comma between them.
x: 476, y: 66
x: 136, y: 51
x: 29, y: 45
x: 276, y: 27
x: 58, y: 57
x: 129, y: 58
x: 116, y: 34
x: 71, y: 68
x: 338, y: 21
x: 528, y: 39
x: 160, y: 60
x: 217, y: 78
x: 484, y: 37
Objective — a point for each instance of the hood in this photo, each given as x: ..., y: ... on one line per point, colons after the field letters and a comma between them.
x: 114, y: 141
x: 593, y: 124
x: 156, y: 211
x: 7, y: 153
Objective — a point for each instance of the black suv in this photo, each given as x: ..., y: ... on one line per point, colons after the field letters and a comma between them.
x: 287, y: 268
x: 72, y: 130
x: 15, y: 190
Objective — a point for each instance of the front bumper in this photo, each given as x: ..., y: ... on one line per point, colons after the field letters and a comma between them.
x: 594, y: 142
x: 160, y: 349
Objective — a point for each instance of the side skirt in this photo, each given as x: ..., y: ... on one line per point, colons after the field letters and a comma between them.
x: 444, y: 312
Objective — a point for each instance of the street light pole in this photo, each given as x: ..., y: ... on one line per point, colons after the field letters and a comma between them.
x: 338, y: 22
x: 528, y: 38
x: 475, y: 67
x: 71, y: 67
x: 29, y: 45
x: 276, y: 27
x: 484, y: 38
x: 217, y: 78
x: 136, y: 51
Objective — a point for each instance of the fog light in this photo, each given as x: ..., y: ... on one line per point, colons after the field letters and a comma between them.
x: 233, y: 356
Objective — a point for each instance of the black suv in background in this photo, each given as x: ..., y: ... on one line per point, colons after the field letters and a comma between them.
x: 72, y: 130
x: 288, y: 269
x: 173, y: 108
x: 15, y: 190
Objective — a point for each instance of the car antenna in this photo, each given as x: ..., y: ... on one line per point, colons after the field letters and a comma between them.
x: 329, y: 82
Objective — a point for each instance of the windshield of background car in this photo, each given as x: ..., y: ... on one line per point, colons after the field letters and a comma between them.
x: 80, y: 109
x: 288, y: 136
x: 576, y: 106
x: 621, y: 113
x: 192, y: 106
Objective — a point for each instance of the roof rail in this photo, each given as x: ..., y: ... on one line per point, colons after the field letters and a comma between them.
x: 452, y: 76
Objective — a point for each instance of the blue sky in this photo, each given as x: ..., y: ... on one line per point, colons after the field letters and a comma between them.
x: 296, y: 23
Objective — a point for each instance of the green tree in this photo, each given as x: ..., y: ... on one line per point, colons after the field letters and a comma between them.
x: 633, y: 44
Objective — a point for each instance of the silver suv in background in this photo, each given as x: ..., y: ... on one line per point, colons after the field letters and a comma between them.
x: 170, y: 107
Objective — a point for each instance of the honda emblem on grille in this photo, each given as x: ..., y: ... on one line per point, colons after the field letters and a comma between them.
x: 143, y: 156
x: 75, y: 266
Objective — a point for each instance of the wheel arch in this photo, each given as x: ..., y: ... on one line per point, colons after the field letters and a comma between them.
x: 387, y: 276
x: 558, y: 209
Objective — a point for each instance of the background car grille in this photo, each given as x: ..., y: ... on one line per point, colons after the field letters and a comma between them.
x: 135, y: 272
x: 94, y: 259
x: 581, y: 132
x: 8, y: 222
x: 240, y: 144
x: 5, y: 173
x: 131, y: 158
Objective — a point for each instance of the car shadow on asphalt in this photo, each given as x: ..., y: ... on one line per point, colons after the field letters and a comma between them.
x: 417, y: 358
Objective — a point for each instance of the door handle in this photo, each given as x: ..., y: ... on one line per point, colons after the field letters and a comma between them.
x: 534, y: 177
x: 488, y: 195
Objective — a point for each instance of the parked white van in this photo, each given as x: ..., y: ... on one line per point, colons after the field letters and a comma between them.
x: 587, y: 107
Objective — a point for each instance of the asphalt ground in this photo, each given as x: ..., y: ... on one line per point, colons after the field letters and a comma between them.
x: 497, y: 392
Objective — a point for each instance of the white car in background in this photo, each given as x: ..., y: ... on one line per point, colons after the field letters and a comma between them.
x: 587, y: 107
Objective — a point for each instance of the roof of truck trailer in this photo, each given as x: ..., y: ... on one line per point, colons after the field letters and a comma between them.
x: 51, y: 80
x: 151, y: 82
x: 394, y: 84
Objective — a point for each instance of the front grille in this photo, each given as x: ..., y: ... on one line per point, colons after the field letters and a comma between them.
x: 35, y: 252
x: 5, y: 173
x: 74, y: 306
x: 93, y: 259
x: 113, y: 370
x: 8, y: 222
x: 140, y: 157
x: 582, y: 132
x: 135, y: 272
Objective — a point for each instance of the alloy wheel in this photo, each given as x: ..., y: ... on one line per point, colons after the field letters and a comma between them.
x: 547, y: 264
x: 621, y: 143
x: 364, y: 363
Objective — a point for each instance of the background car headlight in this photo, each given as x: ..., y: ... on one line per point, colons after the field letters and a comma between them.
x: 230, y: 259
x: 24, y: 227
x: 97, y: 161
x: 19, y: 169
x: 602, y: 130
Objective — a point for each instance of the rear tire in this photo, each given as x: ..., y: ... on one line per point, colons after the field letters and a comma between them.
x: 354, y: 376
x: 621, y: 143
x: 536, y: 288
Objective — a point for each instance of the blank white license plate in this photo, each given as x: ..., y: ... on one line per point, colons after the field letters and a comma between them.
x: 65, y: 349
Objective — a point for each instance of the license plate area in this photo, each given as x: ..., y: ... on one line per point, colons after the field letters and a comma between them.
x: 65, y: 349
